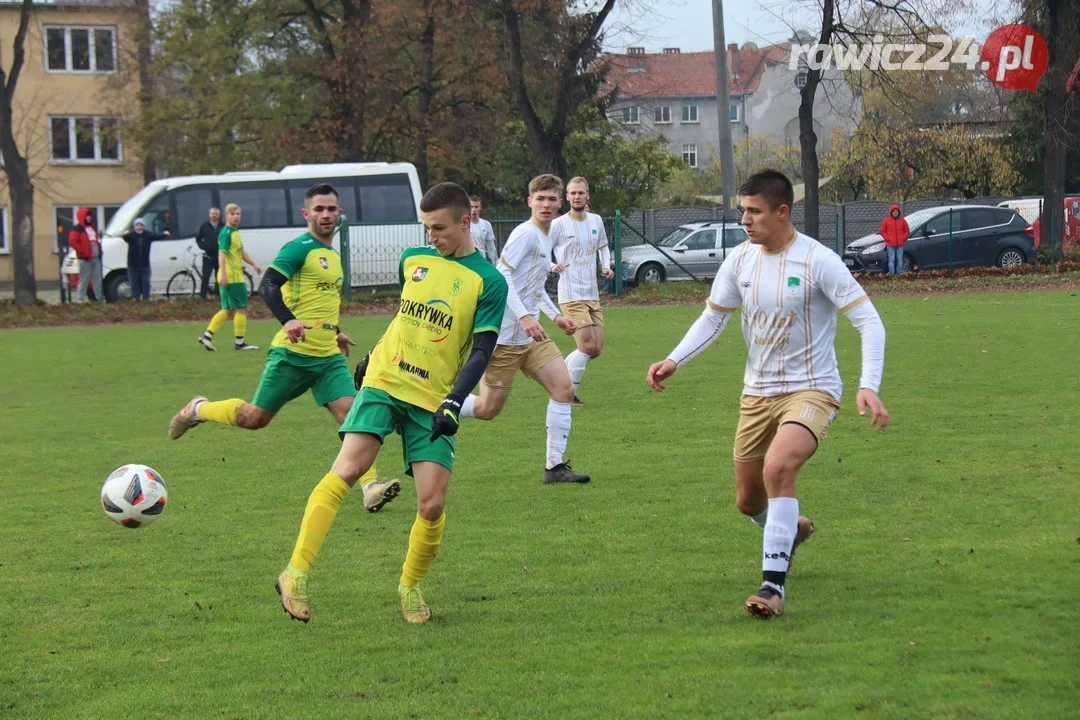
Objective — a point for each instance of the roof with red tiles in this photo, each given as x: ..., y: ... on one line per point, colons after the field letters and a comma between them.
x: 694, y: 73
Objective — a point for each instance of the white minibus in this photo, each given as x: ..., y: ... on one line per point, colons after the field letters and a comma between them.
x: 381, y: 202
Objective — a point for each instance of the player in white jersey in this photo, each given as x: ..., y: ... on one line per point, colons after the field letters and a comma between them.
x: 523, y: 344
x: 790, y: 288
x: 579, y: 239
x: 483, y: 236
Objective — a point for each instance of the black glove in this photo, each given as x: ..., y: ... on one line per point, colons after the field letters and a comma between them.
x: 361, y: 370
x: 445, y: 419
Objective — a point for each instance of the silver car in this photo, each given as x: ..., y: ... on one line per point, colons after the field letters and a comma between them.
x: 694, y: 250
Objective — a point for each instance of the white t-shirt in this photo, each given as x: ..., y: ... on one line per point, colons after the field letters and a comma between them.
x: 525, y: 263
x: 483, y: 237
x: 789, y: 300
x: 576, y: 244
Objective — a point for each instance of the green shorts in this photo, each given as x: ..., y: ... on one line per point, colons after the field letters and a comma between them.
x: 234, y: 296
x: 377, y: 413
x: 289, y: 375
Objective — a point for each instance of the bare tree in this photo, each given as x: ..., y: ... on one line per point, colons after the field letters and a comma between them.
x: 17, y: 169
x: 580, y: 38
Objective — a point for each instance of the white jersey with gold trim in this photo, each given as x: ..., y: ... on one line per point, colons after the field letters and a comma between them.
x: 525, y: 263
x: 789, y: 300
x: 576, y: 244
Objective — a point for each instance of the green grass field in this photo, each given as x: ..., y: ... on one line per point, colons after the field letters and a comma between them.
x: 941, y: 583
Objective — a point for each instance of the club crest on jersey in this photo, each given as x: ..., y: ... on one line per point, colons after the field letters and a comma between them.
x: 325, y: 264
x: 456, y: 286
x: 419, y: 274
x: 794, y: 286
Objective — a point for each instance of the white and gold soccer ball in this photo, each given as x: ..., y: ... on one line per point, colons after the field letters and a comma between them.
x: 134, y: 495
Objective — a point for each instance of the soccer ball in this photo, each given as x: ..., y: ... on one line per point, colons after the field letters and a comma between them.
x: 134, y: 495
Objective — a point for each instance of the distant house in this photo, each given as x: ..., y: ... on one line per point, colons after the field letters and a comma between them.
x: 673, y: 94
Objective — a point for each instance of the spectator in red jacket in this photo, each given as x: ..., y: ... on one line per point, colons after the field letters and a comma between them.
x: 895, y: 231
x: 87, y: 244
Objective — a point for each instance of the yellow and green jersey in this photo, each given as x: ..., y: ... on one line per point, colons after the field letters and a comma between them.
x: 313, y: 294
x: 230, y: 243
x: 444, y: 301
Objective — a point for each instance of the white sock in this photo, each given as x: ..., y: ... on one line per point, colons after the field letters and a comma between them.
x: 780, y: 529
x: 575, y: 363
x: 558, y: 430
x: 760, y: 518
x: 468, y: 408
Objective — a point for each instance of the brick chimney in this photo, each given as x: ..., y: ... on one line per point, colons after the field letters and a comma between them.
x: 635, y: 51
x: 671, y: 51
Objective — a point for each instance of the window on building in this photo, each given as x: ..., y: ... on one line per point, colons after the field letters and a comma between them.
x: 80, y: 49
x: 662, y: 115
x: 64, y: 220
x: 85, y: 139
x: 689, y: 155
x: 5, y: 244
x: 631, y: 115
x: 689, y: 113
x: 733, y: 111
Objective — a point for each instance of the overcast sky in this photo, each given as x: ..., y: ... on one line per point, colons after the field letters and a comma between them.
x: 687, y: 24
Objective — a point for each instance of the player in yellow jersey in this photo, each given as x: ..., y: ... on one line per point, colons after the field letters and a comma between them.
x: 303, y: 289
x: 432, y: 354
x: 232, y: 288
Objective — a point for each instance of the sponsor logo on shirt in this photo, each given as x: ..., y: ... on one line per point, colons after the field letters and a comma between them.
x: 414, y: 370
x: 419, y: 274
x: 435, y: 316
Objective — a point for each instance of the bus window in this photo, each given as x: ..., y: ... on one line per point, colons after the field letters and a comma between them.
x: 262, y: 205
x: 386, y: 199
x: 192, y: 209
x: 158, y: 214
x: 346, y: 196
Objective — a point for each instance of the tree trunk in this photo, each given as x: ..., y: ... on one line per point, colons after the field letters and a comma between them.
x: 146, y: 89
x: 1055, y: 151
x: 807, y: 136
x: 22, y: 224
x: 425, y: 95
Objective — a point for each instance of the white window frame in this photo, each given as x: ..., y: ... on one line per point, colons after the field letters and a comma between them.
x: 690, y: 115
x: 92, y: 40
x: 689, y: 154
x: 99, y: 218
x: 631, y: 115
x: 72, y: 144
x: 662, y: 110
x: 738, y: 112
x: 5, y: 228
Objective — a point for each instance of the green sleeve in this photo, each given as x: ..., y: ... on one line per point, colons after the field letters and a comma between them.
x: 492, y: 304
x: 291, y: 258
x: 224, y: 239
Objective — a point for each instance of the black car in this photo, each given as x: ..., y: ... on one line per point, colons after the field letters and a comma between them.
x: 979, y: 235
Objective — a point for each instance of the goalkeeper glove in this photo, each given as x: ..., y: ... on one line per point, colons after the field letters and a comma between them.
x: 361, y: 370
x: 445, y: 419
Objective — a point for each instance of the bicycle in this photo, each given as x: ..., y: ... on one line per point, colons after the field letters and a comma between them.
x: 186, y: 282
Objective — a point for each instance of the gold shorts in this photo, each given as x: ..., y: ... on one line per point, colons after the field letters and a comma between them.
x: 508, y: 359
x: 584, y: 312
x: 761, y: 417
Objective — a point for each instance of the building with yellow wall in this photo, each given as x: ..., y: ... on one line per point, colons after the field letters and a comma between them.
x: 78, y: 90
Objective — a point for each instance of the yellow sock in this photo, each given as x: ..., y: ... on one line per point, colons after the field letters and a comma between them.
x: 240, y: 325
x: 322, y: 507
x: 222, y: 412
x: 220, y: 318
x: 369, y: 477
x: 424, y: 541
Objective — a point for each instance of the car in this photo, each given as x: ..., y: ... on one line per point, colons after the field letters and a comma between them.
x: 951, y: 236
x: 693, y: 250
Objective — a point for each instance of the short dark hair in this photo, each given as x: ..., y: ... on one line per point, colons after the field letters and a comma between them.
x: 446, y: 195
x: 320, y: 189
x: 475, y: 198
x: 772, y: 185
